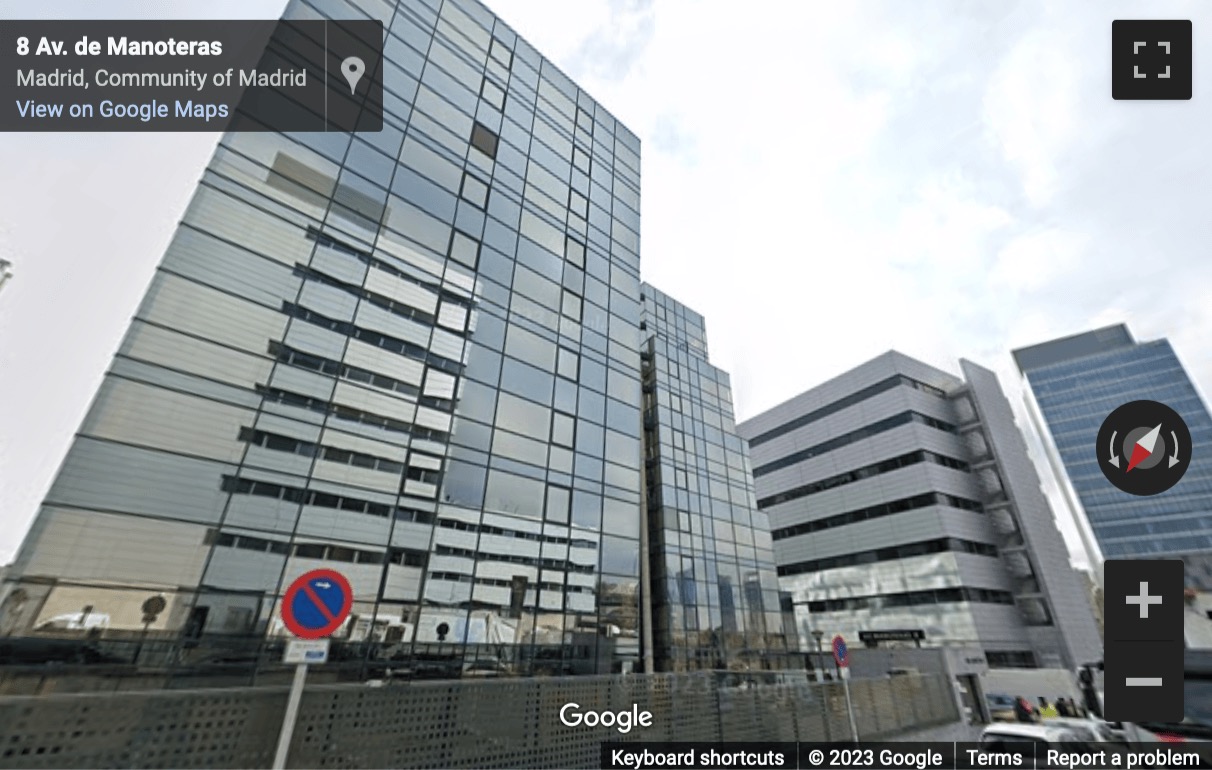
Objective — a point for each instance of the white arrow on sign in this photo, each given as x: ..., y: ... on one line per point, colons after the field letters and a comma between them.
x: 1114, y: 456
x: 1174, y: 457
x: 323, y: 584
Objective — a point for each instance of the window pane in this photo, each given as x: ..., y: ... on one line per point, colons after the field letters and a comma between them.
x: 522, y: 416
x: 558, y: 502
x: 574, y: 252
x: 501, y: 52
x: 562, y: 429
x: 514, y: 494
x: 578, y: 204
x: 568, y: 364
x: 465, y: 249
x: 572, y: 305
x: 484, y: 139
x: 620, y: 555
x: 474, y: 191
x: 493, y: 94
x: 586, y: 509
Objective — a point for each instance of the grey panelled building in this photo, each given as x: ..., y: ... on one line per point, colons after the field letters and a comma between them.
x: 901, y: 497
x: 411, y: 355
x: 715, y: 592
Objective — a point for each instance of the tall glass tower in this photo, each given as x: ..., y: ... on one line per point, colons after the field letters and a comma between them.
x: 1076, y: 382
x: 410, y: 355
x: 714, y: 586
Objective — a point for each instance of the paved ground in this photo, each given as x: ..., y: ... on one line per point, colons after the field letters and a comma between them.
x: 955, y: 731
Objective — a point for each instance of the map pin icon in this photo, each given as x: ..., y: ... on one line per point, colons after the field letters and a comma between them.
x: 352, y: 68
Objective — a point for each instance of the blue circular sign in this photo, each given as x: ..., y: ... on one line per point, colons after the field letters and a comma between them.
x: 317, y: 604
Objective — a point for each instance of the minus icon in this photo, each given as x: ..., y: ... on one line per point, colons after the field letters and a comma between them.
x: 1143, y: 681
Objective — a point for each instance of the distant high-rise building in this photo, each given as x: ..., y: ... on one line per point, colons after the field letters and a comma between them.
x: 410, y: 355
x: 1075, y: 383
x: 901, y: 498
x: 714, y: 588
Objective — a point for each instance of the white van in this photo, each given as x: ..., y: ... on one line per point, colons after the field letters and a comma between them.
x: 76, y: 621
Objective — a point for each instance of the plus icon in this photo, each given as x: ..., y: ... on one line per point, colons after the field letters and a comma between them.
x: 1144, y: 600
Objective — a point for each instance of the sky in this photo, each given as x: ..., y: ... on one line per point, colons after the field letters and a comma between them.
x: 824, y: 181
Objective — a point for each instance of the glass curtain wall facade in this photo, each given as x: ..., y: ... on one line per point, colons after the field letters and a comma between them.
x: 714, y: 588
x: 1076, y: 382
x: 411, y: 356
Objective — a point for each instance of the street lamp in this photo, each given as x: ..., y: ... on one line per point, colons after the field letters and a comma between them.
x: 817, y: 635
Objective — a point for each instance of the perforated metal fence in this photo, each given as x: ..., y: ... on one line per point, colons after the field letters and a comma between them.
x: 498, y: 723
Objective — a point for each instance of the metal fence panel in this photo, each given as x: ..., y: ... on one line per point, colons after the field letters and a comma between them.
x: 496, y: 723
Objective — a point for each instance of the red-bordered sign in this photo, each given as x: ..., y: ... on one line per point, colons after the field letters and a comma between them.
x: 317, y: 603
x: 839, y: 650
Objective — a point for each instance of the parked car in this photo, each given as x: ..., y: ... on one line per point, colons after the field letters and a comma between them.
x: 1092, y: 729
x: 76, y: 621
x: 1023, y: 737
x: 1001, y: 707
x: 485, y: 669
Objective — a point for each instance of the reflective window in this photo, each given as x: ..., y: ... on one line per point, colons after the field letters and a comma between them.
x: 620, y: 555
x: 484, y: 140
x: 559, y: 500
x: 580, y: 159
x: 578, y: 204
x: 571, y: 306
x: 493, y: 94
x: 515, y: 447
x: 528, y: 381
x: 563, y: 429
x: 501, y: 52
x: 522, y: 416
x: 464, y: 249
x: 568, y: 364
x: 515, y: 494
x: 474, y: 191
x: 530, y: 347
x: 574, y: 251
x: 621, y: 517
x: 586, y: 509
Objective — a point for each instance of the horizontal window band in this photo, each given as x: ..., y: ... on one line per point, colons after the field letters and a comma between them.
x: 879, y: 511
x: 867, y: 471
x: 867, y: 431
x: 904, y: 551
x: 837, y: 406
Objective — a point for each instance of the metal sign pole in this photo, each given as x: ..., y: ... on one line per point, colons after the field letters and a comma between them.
x: 850, y: 708
x: 292, y: 714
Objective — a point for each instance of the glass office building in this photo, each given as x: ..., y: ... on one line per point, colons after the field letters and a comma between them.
x: 412, y: 356
x: 715, y: 593
x: 1075, y: 383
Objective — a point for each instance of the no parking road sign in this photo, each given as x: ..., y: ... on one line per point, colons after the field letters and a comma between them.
x: 839, y: 651
x: 317, y: 604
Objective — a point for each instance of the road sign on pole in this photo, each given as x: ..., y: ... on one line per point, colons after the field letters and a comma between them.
x: 306, y: 651
x: 315, y: 605
x: 839, y: 651
x: 842, y: 657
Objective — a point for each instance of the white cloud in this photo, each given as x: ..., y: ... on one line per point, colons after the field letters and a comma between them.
x: 1038, y: 259
x: 1030, y: 108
